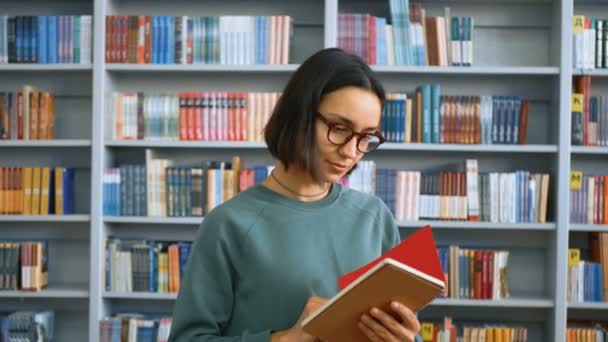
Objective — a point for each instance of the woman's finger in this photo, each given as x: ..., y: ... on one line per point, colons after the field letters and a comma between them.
x: 410, y: 321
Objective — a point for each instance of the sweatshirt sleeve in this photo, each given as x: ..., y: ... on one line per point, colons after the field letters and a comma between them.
x: 206, y: 297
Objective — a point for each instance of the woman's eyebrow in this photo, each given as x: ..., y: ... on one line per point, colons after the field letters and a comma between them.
x: 349, y: 122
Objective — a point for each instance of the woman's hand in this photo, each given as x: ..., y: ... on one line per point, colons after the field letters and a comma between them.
x: 295, y: 333
x: 379, y: 326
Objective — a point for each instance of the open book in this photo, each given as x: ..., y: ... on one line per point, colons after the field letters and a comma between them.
x: 409, y: 273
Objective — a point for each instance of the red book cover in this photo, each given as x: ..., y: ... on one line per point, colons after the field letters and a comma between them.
x: 371, y: 39
x: 605, y: 196
x: 141, y: 39
x: 109, y: 33
x: 523, y: 122
x: 231, y: 108
x: 148, y: 40
x: 19, y: 116
x: 490, y: 274
x: 198, y: 116
x: 418, y: 251
x: 124, y: 31
x: 206, y: 100
x: 478, y: 273
x: 601, y: 200
x: 586, y: 90
x: 242, y: 180
x: 485, y: 275
x: 225, y: 116
x: 212, y: 105
x: 191, y: 116
x: 243, y: 116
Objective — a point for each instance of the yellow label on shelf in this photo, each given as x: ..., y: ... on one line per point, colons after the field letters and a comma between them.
x: 427, y: 331
x: 577, y: 102
x: 576, y: 180
x: 578, y: 24
x: 574, y: 257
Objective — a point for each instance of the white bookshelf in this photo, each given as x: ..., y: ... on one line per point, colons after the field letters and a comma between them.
x: 473, y: 70
x: 46, y: 143
x: 153, y: 220
x: 60, y: 292
x: 45, y: 218
x: 588, y: 228
x: 201, y: 68
x: 186, y: 144
x: 140, y: 295
x: 589, y: 306
x: 506, y: 303
x: 589, y: 150
x: 527, y: 52
x: 591, y: 72
x: 470, y: 148
x: 46, y: 67
x: 591, y: 160
x: 466, y: 225
x: 384, y: 147
x: 69, y: 240
x: 524, y: 303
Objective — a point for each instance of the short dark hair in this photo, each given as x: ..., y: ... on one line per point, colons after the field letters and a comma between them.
x: 290, y: 132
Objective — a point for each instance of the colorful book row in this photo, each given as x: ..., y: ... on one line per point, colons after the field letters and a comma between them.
x: 145, y: 266
x: 27, y: 115
x: 201, y: 116
x: 46, y: 39
x: 37, y: 191
x: 429, y: 117
x: 198, y: 40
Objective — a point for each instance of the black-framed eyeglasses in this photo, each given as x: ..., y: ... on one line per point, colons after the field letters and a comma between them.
x: 341, y: 134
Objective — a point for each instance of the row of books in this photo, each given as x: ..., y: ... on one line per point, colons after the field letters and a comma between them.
x: 444, y: 40
x: 46, y: 39
x: 27, y: 326
x: 145, y: 266
x: 597, y: 333
x: 513, y: 197
x: 448, y: 331
x: 429, y: 117
x: 206, y: 116
x: 125, y: 190
x: 585, y: 282
x: 589, y: 118
x: 134, y: 327
x: 595, y: 123
x: 590, y: 42
x: 475, y: 273
x: 588, y: 279
x: 198, y: 39
x: 447, y: 41
x: 23, y: 265
x: 37, y: 190
x: 27, y: 115
x: 161, y: 189
x: 588, y: 198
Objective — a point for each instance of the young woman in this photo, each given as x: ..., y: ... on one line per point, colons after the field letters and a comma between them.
x: 270, y: 256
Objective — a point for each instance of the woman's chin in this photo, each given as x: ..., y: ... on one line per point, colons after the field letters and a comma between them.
x: 331, y: 177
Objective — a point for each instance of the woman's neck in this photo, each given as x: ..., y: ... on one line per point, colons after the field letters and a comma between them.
x: 296, y: 183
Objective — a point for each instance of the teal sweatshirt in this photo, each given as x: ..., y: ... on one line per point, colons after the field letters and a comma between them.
x: 261, y: 255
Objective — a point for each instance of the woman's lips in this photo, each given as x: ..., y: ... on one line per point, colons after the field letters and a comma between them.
x: 338, y: 167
